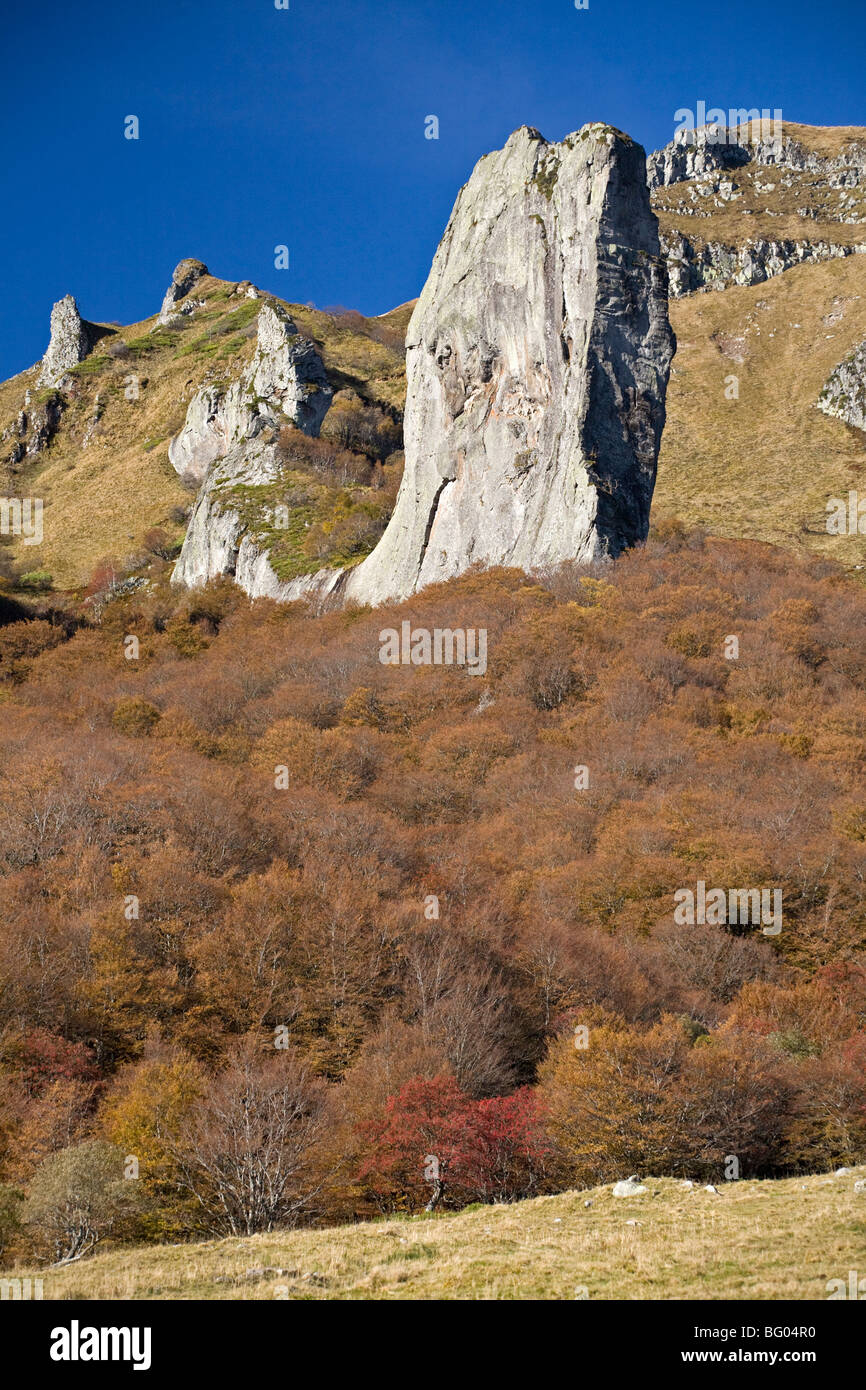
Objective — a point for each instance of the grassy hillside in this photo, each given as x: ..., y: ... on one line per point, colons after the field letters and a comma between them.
x: 760, y: 467
x: 764, y: 466
x: 105, y: 478
x: 755, y: 1240
x: 775, y: 204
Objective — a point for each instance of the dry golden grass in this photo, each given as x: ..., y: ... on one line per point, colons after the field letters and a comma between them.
x: 825, y: 140
x: 755, y: 1240
x: 769, y: 199
x: 100, y: 499
x: 764, y: 466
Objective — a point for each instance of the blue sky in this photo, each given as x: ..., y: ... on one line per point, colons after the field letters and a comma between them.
x: 305, y: 127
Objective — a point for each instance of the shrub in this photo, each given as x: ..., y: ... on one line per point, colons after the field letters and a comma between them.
x: 79, y: 1196
x: 21, y: 643
x: 159, y: 543
x: 37, y: 580
x: 135, y: 716
x: 436, y: 1145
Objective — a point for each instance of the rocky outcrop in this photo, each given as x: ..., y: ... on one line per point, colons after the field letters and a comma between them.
x: 695, y: 154
x: 537, y: 362
x: 71, y: 340
x: 707, y: 167
x: 34, y: 427
x: 844, y: 394
x: 699, y: 157
x: 218, y: 541
x: 285, y: 381
x: 228, y: 441
x: 714, y: 266
x: 185, y: 278
x: 287, y: 375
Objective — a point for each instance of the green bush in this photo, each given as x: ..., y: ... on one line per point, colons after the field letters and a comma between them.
x: 135, y: 716
x: 77, y: 1197
x: 37, y: 580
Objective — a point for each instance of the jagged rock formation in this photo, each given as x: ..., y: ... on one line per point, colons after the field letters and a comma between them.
x: 537, y: 362
x: 684, y: 158
x: 185, y: 277
x: 714, y: 174
x: 228, y: 440
x: 217, y: 541
x: 71, y: 340
x: 286, y: 378
x: 844, y: 394
x: 215, y: 420
x: 34, y: 427
x: 714, y: 266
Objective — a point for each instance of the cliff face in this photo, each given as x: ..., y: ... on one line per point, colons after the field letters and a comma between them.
x: 703, y: 154
x: 228, y: 441
x: 844, y: 393
x: 777, y: 203
x: 715, y: 266
x: 537, y: 360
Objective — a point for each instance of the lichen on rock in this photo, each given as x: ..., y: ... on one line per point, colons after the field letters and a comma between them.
x: 844, y: 394
x: 71, y: 340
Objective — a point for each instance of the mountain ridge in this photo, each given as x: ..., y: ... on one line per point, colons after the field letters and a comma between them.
x: 104, y: 466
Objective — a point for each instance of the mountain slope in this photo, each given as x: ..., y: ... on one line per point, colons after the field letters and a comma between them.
x: 764, y: 466
x: 105, y: 476
x: 754, y: 459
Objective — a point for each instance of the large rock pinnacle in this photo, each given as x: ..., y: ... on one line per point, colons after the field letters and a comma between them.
x: 537, y: 360
x: 71, y: 340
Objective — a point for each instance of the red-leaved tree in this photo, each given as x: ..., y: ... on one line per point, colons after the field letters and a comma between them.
x: 434, y: 1145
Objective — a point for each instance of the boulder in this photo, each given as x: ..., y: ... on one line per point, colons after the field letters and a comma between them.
x: 629, y: 1187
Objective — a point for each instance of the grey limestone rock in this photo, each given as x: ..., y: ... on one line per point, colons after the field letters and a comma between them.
x: 185, y: 277
x: 71, y: 340
x: 537, y: 363
x: 844, y: 393
x: 537, y: 360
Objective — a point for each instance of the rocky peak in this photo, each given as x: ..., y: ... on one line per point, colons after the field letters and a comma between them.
x: 71, y: 340
x: 537, y: 362
x: 185, y: 277
x: 285, y: 381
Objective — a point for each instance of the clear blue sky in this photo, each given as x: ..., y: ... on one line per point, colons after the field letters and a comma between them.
x: 305, y: 127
